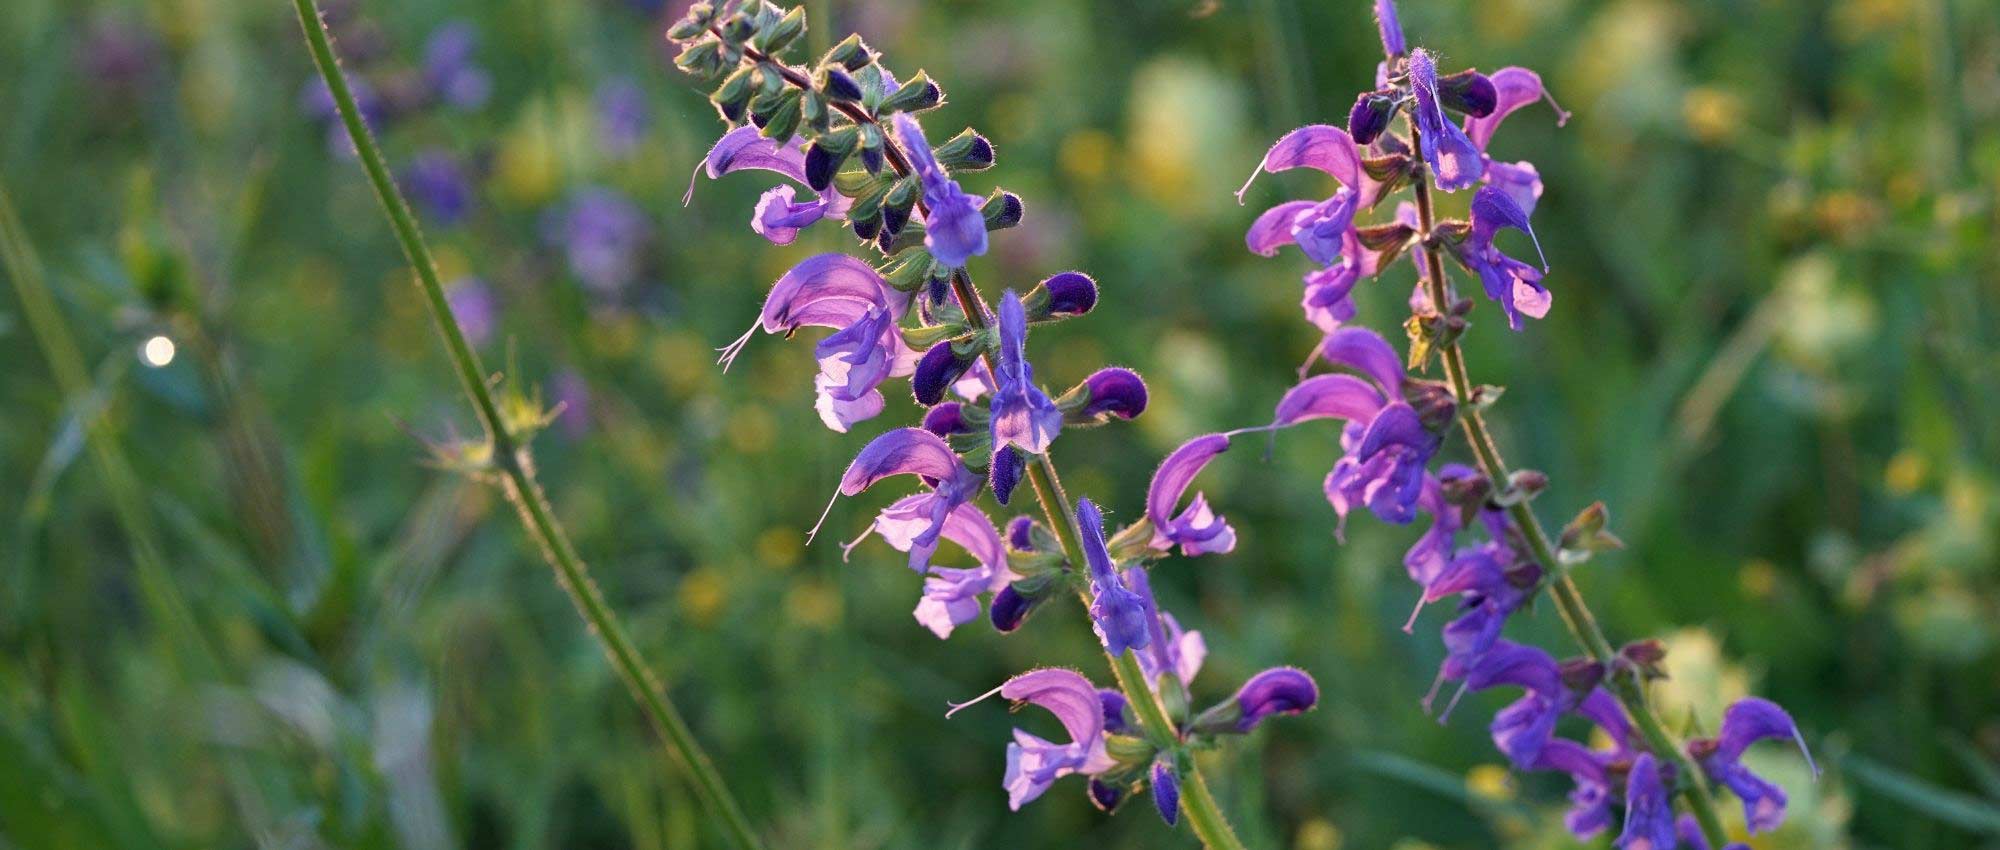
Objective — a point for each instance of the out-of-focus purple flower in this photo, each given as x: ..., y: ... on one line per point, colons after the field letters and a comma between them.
x: 1649, y: 814
x: 1515, y: 285
x: 623, y: 115
x: 473, y: 305
x: 1198, y: 530
x: 1746, y: 722
x: 1118, y: 615
x: 1279, y: 690
x: 1033, y: 764
x: 438, y: 185
x: 954, y: 229
x: 1390, y: 28
x: 841, y: 292
x: 921, y: 520
x: 118, y: 54
x: 1166, y: 791
x: 1455, y: 161
x: 1524, y: 727
x: 603, y: 235
x: 570, y: 393
x: 779, y: 215
x: 454, y: 78
x: 1022, y: 415
x: 316, y: 101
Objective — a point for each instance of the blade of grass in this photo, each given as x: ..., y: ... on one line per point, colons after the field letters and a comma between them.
x: 512, y: 460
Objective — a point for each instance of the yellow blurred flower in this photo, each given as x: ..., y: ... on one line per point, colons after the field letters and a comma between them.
x: 1712, y: 114
x: 780, y: 547
x: 1317, y: 834
x: 701, y: 595
x: 1490, y: 781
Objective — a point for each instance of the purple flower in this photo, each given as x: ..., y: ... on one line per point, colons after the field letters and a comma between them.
x: 951, y: 595
x: 1391, y: 28
x: 1524, y: 727
x: 623, y: 115
x: 438, y: 185
x: 571, y: 395
x: 841, y: 292
x: 603, y: 235
x: 1590, y: 801
x: 1279, y: 690
x: 1170, y: 649
x: 1033, y: 764
x: 779, y: 215
x: 1069, y: 294
x: 1022, y: 415
x: 1513, y: 89
x: 1118, y: 615
x: 954, y: 229
x: 1324, y: 229
x: 1516, y: 285
x: 449, y: 71
x: 1649, y: 814
x: 919, y: 520
x: 473, y: 305
x: 1454, y: 160
x: 1166, y: 791
x: 1198, y: 530
x: 1746, y: 722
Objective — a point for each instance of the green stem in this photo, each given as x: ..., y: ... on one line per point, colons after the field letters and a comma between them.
x: 1569, y: 602
x: 514, y: 463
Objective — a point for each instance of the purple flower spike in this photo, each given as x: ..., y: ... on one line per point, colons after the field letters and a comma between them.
x: 1454, y: 160
x: 1118, y: 615
x: 1070, y: 294
x: 1197, y: 530
x: 1033, y: 764
x: 1279, y: 690
x: 1515, y: 285
x: 1390, y: 28
x: 1023, y: 415
x: 1649, y: 814
x: 1746, y: 722
x: 1115, y: 392
x: 1166, y: 792
x: 954, y: 229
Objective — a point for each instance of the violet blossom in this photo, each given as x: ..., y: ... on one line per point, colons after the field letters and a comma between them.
x: 779, y: 215
x: 920, y: 520
x: 1197, y: 530
x: 954, y: 229
x: 1022, y: 416
x: 1118, y: 615
x: 454, y: 79
x: 841, y: 292
x: 1746, y: 722
x: 1033, y: 763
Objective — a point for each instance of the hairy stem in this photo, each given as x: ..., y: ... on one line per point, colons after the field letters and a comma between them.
x: 1568, y: 600
x: 515, y: 465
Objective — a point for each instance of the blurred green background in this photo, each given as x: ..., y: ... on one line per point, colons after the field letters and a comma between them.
x: 1773, y: 352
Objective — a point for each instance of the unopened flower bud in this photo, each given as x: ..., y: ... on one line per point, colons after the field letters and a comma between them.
x: 940, y: 367
x: 1111, y: 392
x: 839, y: 86
x: 1010, y: 608
x: 1008, y: 466
x: 1370, y: 116
x: 1104, y: 795
x: 1581, y: 675
x: 947, y: 419
x: 1062, y: 295
x: 1279, y: 690
x: 1002, y: 210
x: 1470, y: 92
x: 1166, y: 792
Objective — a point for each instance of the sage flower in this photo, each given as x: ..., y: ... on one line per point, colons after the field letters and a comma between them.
x: 954, y: 229
x: 1033, y: 763
x: 1197, y: 530
x: 1649, y: 814
x: 920, y: 520
x: 841, y: 292
x: 1455, y: 162
x: 1746, y: 722
x: 1118, y: 615
x: 1514, y: 285
x: 779, y: 214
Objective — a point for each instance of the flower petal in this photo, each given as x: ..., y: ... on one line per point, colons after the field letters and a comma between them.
x: 1322, y: 146
x: 1329, y: 396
